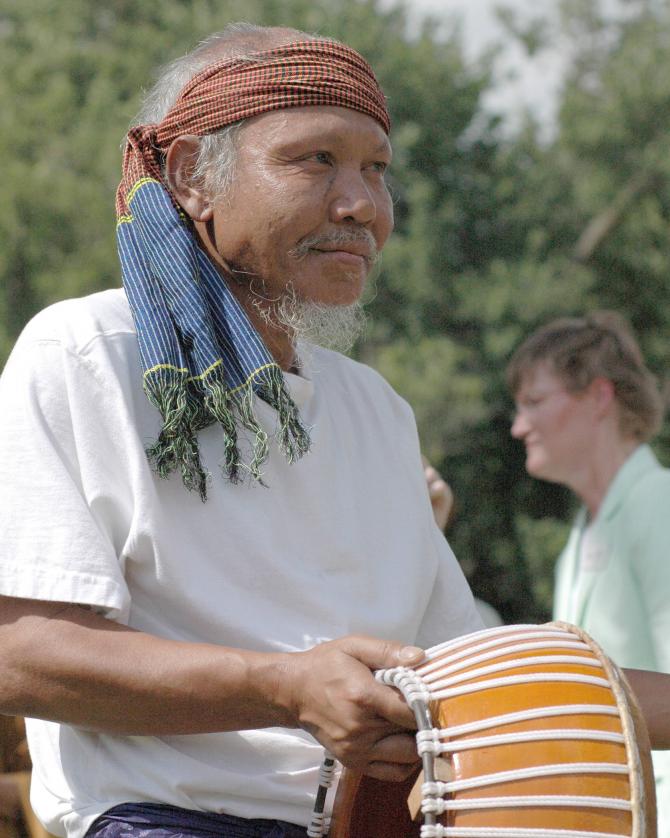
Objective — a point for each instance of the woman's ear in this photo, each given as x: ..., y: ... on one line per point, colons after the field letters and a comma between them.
x: 179, y: 165
x: 604, y: 394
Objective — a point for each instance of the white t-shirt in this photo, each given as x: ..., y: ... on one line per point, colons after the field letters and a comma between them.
x: 340, y: 542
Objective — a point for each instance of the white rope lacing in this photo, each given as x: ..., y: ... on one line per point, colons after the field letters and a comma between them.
x: 488, y: 638
x: 467, y: 659
x: 439, y: 787
x: 574, y: 734
x: 320, y: 823
x: 438, y: 831
x: 438, y: 806
x: 410, y: 684
x: 461, y: 668
x: 437, y: 681
x: 509, y: 680
x: 529, y: 715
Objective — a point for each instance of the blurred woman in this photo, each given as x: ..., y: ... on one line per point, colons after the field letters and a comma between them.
x: 586, y: 408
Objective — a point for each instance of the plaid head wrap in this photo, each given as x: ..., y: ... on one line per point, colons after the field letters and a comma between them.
x: 203, y: 360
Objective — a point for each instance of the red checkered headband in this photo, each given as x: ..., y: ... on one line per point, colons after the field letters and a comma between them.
x: 318, y: 72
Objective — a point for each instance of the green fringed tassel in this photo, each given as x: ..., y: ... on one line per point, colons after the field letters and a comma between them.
x: 176, y: 448
x: 187, y: 408
x: 292, y: 438
x: 219, y: 407
x: 244, y: 400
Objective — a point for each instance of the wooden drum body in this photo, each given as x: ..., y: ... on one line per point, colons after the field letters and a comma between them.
x: 529, y: 732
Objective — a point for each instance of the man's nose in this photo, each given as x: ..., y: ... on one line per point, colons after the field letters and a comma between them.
x: 353, y: 199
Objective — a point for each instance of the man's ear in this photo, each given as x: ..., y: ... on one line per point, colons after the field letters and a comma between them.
x: 179, y: 164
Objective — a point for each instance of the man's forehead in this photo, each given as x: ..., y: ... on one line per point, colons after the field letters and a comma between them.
x: 320, y: 121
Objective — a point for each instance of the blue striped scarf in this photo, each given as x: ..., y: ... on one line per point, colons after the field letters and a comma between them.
x: 203, y: 360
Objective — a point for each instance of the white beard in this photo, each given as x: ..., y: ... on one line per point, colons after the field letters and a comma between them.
x: 331, y: 326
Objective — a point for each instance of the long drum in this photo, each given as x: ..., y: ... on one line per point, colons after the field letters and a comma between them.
x: 524, y: 732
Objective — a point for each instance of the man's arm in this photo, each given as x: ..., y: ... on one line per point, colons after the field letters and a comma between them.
x: 440, y: 494
x: 65, y: 663
x: 652, y: 690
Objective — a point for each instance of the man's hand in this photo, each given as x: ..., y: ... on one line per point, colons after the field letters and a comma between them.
x: 366, y: 725
x: 439, y: 491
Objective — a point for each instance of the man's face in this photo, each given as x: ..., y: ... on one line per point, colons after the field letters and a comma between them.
x: 309, y: 207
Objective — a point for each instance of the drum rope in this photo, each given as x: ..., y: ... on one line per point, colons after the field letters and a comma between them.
x: 497, y: 636
x: 533, y: 713
x: 438, y: 806
x: 531, y: 678
x: 533, y: 772
x: 437, y: 831
x: 318, y: 825
x: 436, y: 680
x: 431, y: 741
x: 526, y: 736
x: 464, y: 659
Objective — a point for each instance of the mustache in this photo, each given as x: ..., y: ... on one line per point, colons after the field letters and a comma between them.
x: 344, y: 236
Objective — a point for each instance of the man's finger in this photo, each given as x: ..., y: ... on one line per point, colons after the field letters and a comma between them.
x: 397, y: 748
x: 381, y: 654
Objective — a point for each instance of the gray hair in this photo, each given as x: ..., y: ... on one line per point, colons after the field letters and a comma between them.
x: 215, y: 164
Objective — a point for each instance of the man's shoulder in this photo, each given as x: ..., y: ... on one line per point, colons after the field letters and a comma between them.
x: 358, y: 389
x: 330, y: 361
x: 78, y: 324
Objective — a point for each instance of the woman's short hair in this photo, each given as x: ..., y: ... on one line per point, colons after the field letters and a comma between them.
x: 599, y: 345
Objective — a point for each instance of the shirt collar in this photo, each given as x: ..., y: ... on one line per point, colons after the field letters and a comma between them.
x: 641, y: 461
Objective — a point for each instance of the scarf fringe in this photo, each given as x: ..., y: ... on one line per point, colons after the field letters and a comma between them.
x: 185, y: 413
x: 176, y: 448
x: 261, y: 448
x: 292, y: 437
x: 218, y: 406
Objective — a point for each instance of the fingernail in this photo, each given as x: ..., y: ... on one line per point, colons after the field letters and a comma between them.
x: 410, y: 654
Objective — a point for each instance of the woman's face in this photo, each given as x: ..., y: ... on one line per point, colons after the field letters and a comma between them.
x: 556, y: 426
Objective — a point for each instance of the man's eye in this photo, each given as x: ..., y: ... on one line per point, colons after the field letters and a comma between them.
x: 322, y: 157
x: 380, y: 166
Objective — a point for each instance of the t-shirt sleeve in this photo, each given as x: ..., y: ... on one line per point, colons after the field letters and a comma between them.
x: 59, y: 538
x: 451, y: 610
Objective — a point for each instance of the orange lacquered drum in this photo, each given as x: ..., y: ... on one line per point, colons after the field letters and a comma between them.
x: 524, y: 732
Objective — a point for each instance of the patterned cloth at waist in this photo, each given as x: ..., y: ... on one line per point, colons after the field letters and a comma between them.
x: 157, y: 820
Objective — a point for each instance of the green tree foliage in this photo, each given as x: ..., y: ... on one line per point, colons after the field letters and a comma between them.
x: 494, y: 234
x: 556, y: 228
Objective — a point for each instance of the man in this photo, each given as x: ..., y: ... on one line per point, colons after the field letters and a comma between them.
x: 189, y: 660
